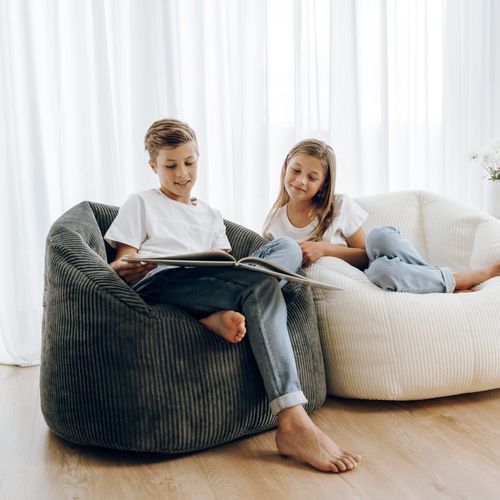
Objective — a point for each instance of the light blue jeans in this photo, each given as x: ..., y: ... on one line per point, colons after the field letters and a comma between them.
x: 396, y: 265
x: 202, y: 291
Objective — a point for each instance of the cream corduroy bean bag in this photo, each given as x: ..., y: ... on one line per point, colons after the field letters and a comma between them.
x: 400, y: 346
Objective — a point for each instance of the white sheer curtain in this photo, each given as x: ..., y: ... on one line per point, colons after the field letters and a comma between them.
x: 404, y: 90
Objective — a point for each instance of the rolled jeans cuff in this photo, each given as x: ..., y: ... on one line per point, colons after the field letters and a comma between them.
x: 449, y: 280
x: 287, y: 401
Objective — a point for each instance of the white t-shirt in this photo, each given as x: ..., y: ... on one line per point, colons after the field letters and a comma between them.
x: 157, y: 225
x: 348, y: 218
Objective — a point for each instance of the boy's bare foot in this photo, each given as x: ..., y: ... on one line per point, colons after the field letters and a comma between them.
x: 298, y: 437
x: 227, y: 324
x: 465, y: 280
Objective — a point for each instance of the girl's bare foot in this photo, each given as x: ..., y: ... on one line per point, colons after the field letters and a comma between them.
x: 298, y: 437
x: 465, y: 280
x: 227, y: 324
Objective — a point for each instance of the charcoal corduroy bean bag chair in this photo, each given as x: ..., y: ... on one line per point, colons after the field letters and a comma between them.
x: 118, y: 373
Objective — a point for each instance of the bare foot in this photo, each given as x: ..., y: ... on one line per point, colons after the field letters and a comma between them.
x: 298, y: 437
x: 465, y: 280
x: 494, y: 270
x: 227, y: 324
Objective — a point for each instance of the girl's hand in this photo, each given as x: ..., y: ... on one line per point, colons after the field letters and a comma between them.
x: 131, y: 273
x: 311, y: 251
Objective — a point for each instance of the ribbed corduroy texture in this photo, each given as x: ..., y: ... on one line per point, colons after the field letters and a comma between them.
x: 118, y: 373
x: 398, y: 346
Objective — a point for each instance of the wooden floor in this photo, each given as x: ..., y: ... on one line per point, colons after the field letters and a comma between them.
x: 446, y: 448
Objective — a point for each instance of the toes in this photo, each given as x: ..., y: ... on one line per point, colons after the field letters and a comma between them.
x: 341, y: 466
x: 236, y: 317
x: 345, y: 463
x: 349, y: 463
x: 333, y: 468
x: 241, y: 331
x: 349, y: 460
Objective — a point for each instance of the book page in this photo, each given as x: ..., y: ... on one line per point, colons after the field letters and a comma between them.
x: 219, y: 258
x: 267, y: 264
x: 270, y: 268
x: 206, y: 256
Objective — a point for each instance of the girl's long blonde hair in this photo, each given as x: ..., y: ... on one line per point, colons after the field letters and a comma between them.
x: 324, y: 200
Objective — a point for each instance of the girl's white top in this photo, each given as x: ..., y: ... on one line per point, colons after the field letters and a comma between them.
x: 157, y: 225
x: 348, y: 218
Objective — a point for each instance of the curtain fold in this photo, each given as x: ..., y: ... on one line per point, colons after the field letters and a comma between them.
x: 404, y: 90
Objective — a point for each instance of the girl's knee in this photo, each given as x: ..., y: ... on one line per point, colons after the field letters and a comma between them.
x: 380, y: 274
x: 379, y: 240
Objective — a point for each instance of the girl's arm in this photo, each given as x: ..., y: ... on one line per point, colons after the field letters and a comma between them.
x: 128, y: 272
x: 354, y: 253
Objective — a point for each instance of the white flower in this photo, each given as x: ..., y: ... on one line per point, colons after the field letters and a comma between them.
x: 489, y: 159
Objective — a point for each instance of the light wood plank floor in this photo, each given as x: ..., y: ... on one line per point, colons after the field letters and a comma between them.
x: 444, y: 448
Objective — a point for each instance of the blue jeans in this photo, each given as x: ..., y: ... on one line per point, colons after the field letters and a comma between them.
x: 202, y: 291
x: 396, y: 265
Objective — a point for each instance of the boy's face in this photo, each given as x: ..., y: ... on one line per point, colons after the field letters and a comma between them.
x: 176, y: 169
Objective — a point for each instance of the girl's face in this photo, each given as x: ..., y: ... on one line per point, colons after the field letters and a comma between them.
x: 304, y: 177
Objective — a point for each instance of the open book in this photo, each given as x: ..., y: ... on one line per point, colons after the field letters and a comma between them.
x: 219, y: 258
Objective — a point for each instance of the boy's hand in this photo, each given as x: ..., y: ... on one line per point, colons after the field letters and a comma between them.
x: 131, y: 273
x: 311, y: 251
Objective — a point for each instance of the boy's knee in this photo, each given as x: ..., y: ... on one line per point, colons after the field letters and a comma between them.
x: 265, y: 286
x: 292, y: 249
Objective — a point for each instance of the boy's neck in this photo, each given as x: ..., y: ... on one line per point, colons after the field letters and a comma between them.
x: 187, y: 200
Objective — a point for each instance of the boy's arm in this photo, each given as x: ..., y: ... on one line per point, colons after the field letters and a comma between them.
x: 354, y: 253
x: 130, y: 273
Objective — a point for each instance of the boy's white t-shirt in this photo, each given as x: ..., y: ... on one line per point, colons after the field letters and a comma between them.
x: 157, y: 225
x: 348, y: 218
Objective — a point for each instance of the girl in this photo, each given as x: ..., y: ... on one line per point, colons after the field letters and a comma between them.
x: 325, y: 224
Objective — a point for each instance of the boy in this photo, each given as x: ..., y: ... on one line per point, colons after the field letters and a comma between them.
x: 168, y: 221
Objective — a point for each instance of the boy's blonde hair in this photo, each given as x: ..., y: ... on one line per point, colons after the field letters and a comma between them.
x: 168, y: 133
x: 324, y: 200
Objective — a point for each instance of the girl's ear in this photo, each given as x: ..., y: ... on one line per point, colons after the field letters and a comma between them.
x: 321, y: 194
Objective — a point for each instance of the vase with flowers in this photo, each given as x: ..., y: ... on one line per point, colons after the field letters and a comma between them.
x: 489, y: 159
